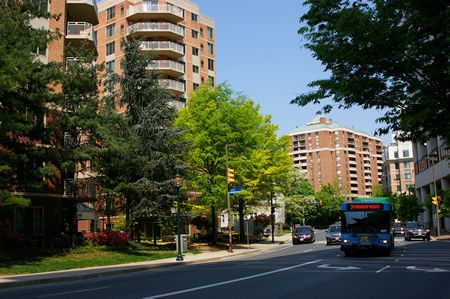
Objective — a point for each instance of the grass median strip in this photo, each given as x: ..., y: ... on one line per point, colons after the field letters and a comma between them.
x: 46, y: 260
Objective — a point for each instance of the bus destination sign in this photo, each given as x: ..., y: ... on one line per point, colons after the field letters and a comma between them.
x: 364, y: 206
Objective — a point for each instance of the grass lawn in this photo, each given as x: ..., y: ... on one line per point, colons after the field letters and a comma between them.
x: 45, y: 260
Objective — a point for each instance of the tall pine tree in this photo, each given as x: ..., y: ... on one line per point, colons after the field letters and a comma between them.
x: 141, y: 159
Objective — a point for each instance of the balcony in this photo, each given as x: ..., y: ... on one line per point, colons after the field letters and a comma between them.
x: 155, y: 11
x: 83, y: 10
x: 169, y: 67
x: 77, y: 32
x: 173, y: 86
x: 166, y: 48
x: 154, y: 29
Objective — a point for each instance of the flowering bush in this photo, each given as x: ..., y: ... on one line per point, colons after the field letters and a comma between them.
x: 107, y: 238
x: 15, y: 241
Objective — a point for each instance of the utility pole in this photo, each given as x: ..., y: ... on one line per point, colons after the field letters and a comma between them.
x: 438, y: 225
x: 272, y: 217
x: 230, y: 235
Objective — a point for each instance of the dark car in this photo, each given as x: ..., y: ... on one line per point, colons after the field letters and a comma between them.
x: 303, y: 234
x: 417, y: 230
x: 399, y: 229
x: 334, y: 234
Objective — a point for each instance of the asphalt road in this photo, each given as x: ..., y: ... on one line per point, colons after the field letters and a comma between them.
x: 415, y: 269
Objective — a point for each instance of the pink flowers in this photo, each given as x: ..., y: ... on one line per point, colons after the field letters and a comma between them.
x: 107, y: 238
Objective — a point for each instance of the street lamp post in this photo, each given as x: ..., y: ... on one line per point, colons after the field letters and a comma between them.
x: 438, y: 225
x: 178, y: 183
x: 230, y: 235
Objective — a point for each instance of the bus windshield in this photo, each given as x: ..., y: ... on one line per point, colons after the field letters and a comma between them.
x: 366, y: 222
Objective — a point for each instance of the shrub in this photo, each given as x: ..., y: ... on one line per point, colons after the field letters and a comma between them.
x: 15, y: 241
x: 107, y: 238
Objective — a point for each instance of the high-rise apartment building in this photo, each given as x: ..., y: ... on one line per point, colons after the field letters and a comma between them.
x: 330, y: 151
x: 398, y: 167
x: 173, y: 30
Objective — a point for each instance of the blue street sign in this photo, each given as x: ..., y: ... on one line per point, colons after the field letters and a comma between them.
x: 235, y: 190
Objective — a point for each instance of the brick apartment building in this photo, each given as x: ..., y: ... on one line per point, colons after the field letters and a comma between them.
x: 398, y: 167
x: 330, y: 151
x: 174, y: 30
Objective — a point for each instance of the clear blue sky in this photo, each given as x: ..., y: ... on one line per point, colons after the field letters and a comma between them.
x: 260, y: 54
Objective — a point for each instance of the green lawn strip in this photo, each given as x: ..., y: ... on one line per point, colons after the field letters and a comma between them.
x: 22, y: 262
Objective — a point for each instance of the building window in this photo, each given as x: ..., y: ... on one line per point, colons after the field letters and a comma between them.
x: 397, y: 176
x: 29, y: 221
x: 194, y: 33
x: 122, y: 10
x: 211, y: 80
x: 202, y: 64
x: 109, y: 66
x: 406, y: 165
x: 110, y: 48
x: 194, y: 51
x: 408, y: 175
x: 122, y: 28
x: 111, y: 12
x: 399, y: 188
x: 110, y: 30
x: 210, y: 64
x: 396, y: 155
x: 210, y: 48
x: 194, y: 17
x: 201, y: 31
x: 195, y: 68
x: 195, y: 85
x: 405, y: 153
x: 209, y: 32
x: 201, y: 47
x: 397, y: 166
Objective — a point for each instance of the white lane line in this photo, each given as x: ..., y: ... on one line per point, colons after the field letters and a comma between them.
x: 382, y: 269
x: 71, y: 292
x: 402, y: 254
x: 230, y: 281
x: 396, y: 260
x: 338, y: 255
x: 307, y: 250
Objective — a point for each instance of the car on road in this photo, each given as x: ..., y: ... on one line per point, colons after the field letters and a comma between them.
x: 417, y: 230
x: 266, y: 232
x: 334, y: 234
x: 399, y: 229
x: 303, y: 234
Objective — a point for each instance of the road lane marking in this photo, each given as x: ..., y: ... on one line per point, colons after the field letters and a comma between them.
x: 230, y: 281
x: 426, y: 270
x: 382, y: 269
x: 307, y: 250
x: 71, y: 292
x: 338, y: 255
x: 402, y: 254
x: 327, y: 266
x: 396, y: 260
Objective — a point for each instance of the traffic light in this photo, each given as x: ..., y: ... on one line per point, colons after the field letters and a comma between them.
x: 230, y: 176
x: 435, y: 200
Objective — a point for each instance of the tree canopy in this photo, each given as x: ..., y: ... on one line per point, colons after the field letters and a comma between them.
x: 390, y: 55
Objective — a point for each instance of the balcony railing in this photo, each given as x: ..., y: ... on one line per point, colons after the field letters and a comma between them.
x: 162, y: 45
x: 156, y: 27
x: 166, y: 64
x: 80, y: 28
x: 172, y: 84
x: 156, y: 8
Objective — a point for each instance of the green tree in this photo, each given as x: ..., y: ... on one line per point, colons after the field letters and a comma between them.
x: 25, y: 93
x: 408, y: 207
x: 390, y: 55
x: 299, y: 200
x: 141, y: 152
x: 329, y: 198
x: 377, y: 190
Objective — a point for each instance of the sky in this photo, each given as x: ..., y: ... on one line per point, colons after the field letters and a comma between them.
x: 260, y: 54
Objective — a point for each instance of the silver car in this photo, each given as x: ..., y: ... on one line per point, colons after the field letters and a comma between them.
x: 334, y: 234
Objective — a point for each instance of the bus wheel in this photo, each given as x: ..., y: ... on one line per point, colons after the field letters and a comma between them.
x: 348, y: 252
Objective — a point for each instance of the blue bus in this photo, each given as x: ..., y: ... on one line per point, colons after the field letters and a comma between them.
x: 367, y: 224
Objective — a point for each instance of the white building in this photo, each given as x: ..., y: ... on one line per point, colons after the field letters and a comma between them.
x: 432, y: 167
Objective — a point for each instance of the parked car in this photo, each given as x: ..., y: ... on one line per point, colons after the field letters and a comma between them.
x: 334, y: 234
x: 399, y: 229
x: 417, y: 230
x: 303, y: 234
x: 266, y: 232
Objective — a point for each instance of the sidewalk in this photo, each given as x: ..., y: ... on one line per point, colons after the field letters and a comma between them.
x: 85, y: 273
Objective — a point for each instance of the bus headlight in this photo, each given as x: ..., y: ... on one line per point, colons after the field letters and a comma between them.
x: 385, y: 241
x: 345, y: 241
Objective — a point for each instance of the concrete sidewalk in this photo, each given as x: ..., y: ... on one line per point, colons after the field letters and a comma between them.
x: 92, y: 272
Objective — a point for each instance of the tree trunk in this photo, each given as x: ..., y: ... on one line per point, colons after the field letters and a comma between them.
x: 128, y: 224
x: 73, y: 225
x: 241, y: 221
x: 214, y: 225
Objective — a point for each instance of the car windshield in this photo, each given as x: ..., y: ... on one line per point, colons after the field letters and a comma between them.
x: 335, y: 229
x: 302, y: 230
x: 415, y: 225
x: 398, y: 225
